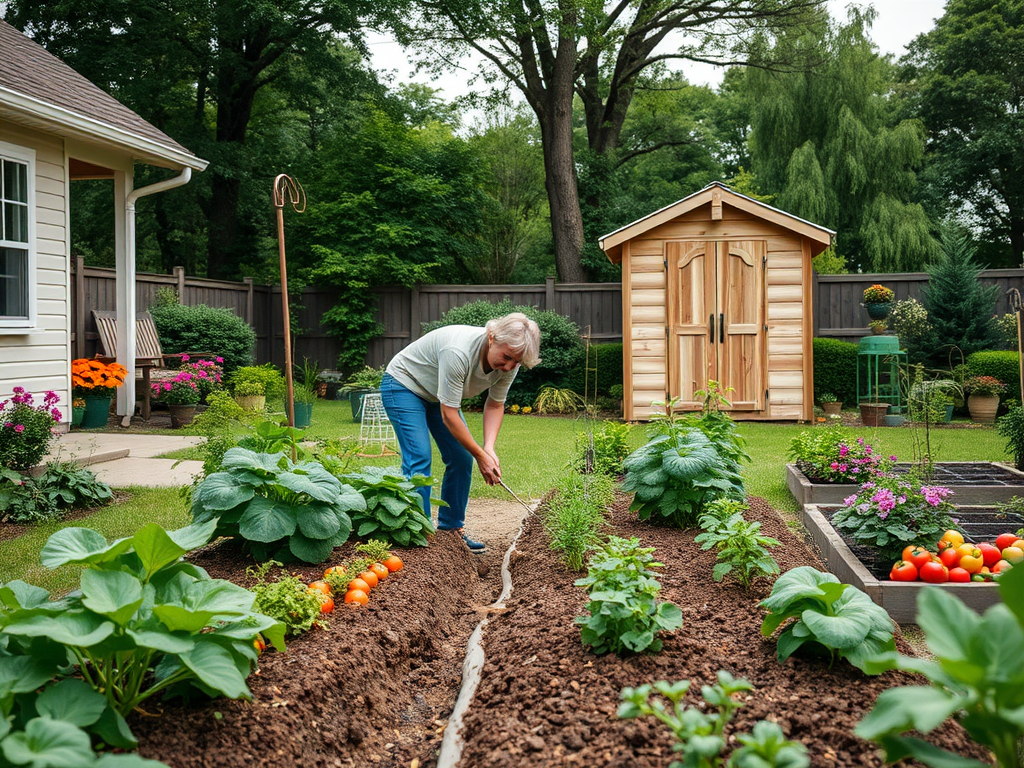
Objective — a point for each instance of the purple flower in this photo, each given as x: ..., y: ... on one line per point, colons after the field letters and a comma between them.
x: 902, y: 499
x: 883, y: 514
x: 863, y: 507
x: 849, y: 500
x: 843, y: 467
x: 843, y: 450
x: 892, y: 458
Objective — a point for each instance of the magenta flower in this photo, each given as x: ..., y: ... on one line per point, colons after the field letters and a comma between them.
x: 849, y: 500
x: 843, y: 450
x: 219, y: 359
x: 184, y: 358
x: 19, y: 428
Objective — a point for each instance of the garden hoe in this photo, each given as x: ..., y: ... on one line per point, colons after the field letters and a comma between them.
x: 502, y: 483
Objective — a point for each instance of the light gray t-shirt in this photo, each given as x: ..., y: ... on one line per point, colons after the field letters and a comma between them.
x: 445, y: 366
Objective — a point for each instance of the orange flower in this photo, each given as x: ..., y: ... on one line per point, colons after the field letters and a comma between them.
x: 93, y: 374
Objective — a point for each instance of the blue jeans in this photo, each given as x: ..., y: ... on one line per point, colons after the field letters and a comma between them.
x: 416, y: 420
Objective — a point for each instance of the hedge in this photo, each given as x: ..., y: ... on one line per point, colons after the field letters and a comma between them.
x: 201, y: 328
x: 835, y: 370
x: 607, y: 359
x: 1004, y: 365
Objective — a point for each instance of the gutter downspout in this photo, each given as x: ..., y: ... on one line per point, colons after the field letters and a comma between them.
x: 126, y: 313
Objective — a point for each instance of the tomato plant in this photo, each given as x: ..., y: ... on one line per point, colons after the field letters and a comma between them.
x: 904, y: 571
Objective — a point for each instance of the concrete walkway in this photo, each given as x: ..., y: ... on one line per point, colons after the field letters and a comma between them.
x: 121, y: 460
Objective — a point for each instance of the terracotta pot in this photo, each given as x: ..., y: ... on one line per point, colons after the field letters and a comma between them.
x: 873, y: 414
x: 181, y: 415
x: 983, y: 408
x: 832, y: 409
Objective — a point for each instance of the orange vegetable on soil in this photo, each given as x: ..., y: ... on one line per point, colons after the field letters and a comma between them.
x: 319, y: 586
x: 394, y: 564
x: 370, y: 578
x: 379, y: 570
x: 358, y: 585
x: 327, y: 604
x: 338, y: 569
x: 357, y: 596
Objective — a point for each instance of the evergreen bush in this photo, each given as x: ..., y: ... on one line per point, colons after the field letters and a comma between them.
x: 1002, y: 365
x: 205, y: 329
x: 561, y: 350
x: 835, y: 369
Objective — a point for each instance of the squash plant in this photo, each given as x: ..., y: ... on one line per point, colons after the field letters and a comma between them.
x: 281, y: 509
x: 827, y: 616
x: 142, y: 621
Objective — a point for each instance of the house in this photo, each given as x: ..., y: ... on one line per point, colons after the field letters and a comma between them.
x: 56, y: 128
x: 717, y: 286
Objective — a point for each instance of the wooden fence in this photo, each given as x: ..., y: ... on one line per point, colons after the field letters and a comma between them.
x: 595, y: 307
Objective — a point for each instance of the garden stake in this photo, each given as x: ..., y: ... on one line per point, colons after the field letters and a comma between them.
x: 502, y: 483
x: 285, y: 185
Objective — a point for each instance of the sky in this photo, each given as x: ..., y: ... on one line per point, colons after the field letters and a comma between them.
x: 897, y: 23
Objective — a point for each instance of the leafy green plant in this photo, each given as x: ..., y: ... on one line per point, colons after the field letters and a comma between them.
x: 573, y: 516
x: 741, y: 548
x: 392, y: 509
x: 833, y: 455
x: 602, y: 450
x: 267, y: 376
x: 143, y: 621
x: 554, y: 400
x: 1011, y: 426
x: 279, y: 508
x: 827, y: 397
x: 377, y: 550
x: 624, y: 612
x: 976, y: 677
x: 835, y: 369
x: 63, y: 486
x: 286, y: 600
x: 249, y: 389
x: 674, y: 476
x: 366, y: 378
x: 824, y: 615
x: 201, y: 328
x: 700, y: 731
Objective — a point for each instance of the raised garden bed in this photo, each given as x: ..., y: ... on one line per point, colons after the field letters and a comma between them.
x: 972, y: 482
x: 857, y: 565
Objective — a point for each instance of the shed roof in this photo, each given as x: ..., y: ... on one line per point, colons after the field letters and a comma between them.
x: 820, y: 237
x: 40, y: 90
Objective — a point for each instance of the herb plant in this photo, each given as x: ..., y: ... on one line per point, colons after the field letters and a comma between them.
x: 700, y: 731
x: 375, y: 549
x: 624, y: 612
x: 602, y: 450
x: 391, y: 510
x: 741, y: 548
x: 287, y: 599
x: 143, y: 621
x: 977, y: 677
x: 826, y: 616
x: 278, y: 508
x: 573, y: 516
x: 555, y: 400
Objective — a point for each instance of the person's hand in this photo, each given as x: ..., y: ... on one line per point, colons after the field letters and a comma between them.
x: 489, y: 468
x: 497, y: 461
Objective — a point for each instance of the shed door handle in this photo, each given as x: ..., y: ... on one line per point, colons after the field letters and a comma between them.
x: 721, y: 327
x: 711, y: 326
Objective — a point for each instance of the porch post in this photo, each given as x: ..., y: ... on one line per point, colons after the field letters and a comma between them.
x: 124, y: 260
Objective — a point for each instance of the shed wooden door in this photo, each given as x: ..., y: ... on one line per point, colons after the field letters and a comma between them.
x: 716, y: 320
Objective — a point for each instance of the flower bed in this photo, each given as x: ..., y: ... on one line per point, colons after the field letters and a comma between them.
x: 972, y: 483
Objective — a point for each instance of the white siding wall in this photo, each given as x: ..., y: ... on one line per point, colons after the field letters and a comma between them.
x: 39, y: 361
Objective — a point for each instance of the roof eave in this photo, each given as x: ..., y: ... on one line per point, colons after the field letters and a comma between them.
x: 96, y: 129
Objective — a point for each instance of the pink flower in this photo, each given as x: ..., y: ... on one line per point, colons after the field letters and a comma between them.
x: 167, y: 386
x: 843, y: 450
x: 834, y: 465
x: 56, y: 413
x: 850, y: 500
x: 184, y: 358
x: 892, y: 458
x: 219, y: 359
x: 19, y: 428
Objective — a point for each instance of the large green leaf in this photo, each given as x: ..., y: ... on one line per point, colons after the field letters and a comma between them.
x: 48, y: 743
x: 318, y: 489
x: 73, y: 701
x: 219, y: 492
x: 918, y: 707
x: 113, y: 730
x: 72, y: 627
x: 948, y: 624
x: 266, y: 520
x: 310, y: 550
x: 191, y: 536
x: 202, y: 603
x: 22, y: 674
x: 80, y: 546
x: 999, y: 642
x: 112, y: 760
x: 114, y: 594
x: 317, y: 521
x: 350, y: 500
x: 215, y: 666
x: 162, y: 640
x: 243, y: 458
x: 18, y: 594
x: 796, y: 584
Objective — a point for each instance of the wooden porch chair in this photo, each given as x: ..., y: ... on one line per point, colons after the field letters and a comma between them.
x: 150, y: 361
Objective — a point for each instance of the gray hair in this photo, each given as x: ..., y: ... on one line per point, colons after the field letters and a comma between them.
x: 520, y: 334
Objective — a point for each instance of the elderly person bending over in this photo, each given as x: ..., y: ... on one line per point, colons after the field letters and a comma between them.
x: 422, y: 392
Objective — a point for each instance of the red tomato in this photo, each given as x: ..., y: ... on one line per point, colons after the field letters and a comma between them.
x: 1005, y: 540
x: 959, y: 575
x: 934, y: 573
x: 916, y: 556
x: 903, y: 571
x: 990, y: 554
x: 949, y: 557
x: 1001, y: 566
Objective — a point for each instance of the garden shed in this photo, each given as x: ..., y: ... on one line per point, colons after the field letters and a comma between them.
x: 717, y: 286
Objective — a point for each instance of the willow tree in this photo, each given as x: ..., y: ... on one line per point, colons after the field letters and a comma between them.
x: 826, y: 143
x: 554, y: 50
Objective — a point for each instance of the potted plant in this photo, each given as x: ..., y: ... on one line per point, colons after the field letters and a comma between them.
x: 878, y: 327
x: 305, y: 391
x: 268, y: 381
x: 878, y: 301
x: 181, y: 394
x: 358, y: 385
x: 830, y: 404
x: 95, y: 382
x: 77, y: 411
x: 251, y: 395
x: 983, y: 397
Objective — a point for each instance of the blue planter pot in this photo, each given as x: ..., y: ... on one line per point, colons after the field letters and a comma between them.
x: 303, y: 415
x: 878, y: 311
x: 96, y: 411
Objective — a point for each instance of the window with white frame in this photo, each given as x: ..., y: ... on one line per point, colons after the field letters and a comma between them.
x: 17, y: 256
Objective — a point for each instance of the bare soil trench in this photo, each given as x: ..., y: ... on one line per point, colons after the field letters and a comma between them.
x: 376, y: 687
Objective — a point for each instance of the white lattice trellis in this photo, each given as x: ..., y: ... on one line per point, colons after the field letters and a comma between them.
x: 375, y: 426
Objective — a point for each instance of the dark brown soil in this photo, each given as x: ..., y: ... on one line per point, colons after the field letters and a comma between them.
x: 377, y: 686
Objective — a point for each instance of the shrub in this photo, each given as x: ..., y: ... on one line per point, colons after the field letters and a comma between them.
x: 561, y: 350
x: 909, y: 320
x: 26, y: 429
x: 267, y: 376
x: 555, y: 400
x: 607, y: 359
x: 1007, y: 330
x: 835, y: 369
x: 1002, y: 365
x: 208, y: 329
x: 1011, y: 426
x: 601, y: 451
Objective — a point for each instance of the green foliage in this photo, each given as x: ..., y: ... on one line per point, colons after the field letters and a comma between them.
x: 375, y: 549
x: 364, y: 378
x: 1011, y: 426
x: 143, y: 620
x: 392, y: 510
x: 826, y: 616
x: 624, y: 613
x: 909, y: 320
x: 561, y: 350
x: 828, y: 262
x: 674, y: 476
x: 741, y: 548
x: 1006, y: 327
x: 555, y: 400
x: 1002, y: 365
x: 201, y: 328
x: 267, y: 377
x: 602, y: 450
x: 62, y: 487
x: 607, y: 359
x: 976, y: 677
x: 815, y: 451
x: 700, y: 731
x: 574, y: 516
x: 279, y: 508
x: 835, y: 369
x: 286, y: 600
x: 960, y: 306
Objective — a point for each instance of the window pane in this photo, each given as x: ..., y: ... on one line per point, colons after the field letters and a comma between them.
x: 13, y: 283
x: 15, y: 181
x: 16, y: 222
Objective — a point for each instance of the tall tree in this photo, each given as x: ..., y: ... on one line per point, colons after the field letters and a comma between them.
x: 828, y: 146
x: 965, y: 79
x: 553, y: 50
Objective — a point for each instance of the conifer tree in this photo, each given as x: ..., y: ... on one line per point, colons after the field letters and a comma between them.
x: 960, y: 307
